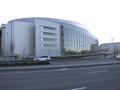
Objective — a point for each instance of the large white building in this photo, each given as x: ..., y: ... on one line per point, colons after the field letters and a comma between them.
x: 34, y: 37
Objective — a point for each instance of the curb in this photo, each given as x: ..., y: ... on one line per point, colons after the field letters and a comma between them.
x: 59, y: 66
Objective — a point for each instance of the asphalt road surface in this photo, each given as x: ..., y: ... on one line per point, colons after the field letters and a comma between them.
x: 87, y: 78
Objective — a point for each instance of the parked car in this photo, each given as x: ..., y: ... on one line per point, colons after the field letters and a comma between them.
x: 42, y: 59
x: 117, y: 57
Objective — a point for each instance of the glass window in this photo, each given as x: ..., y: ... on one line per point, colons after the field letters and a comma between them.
x: 48, y: 27
x: 49, y: 39
x: 76, y: 40
x: 49, y: 45
x: 48, y: 33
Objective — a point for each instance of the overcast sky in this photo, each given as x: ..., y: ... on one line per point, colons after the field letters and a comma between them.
x: 101, y: 17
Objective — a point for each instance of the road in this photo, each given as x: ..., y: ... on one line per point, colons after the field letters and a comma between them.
x: 86, y: 78
x: 65, y: 63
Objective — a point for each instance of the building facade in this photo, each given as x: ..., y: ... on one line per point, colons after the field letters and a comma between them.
x: 110, y: 48
x: 34, y: 37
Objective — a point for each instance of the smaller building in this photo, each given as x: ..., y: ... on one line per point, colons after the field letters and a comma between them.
x: 2, y: 29
x: 110, y: 48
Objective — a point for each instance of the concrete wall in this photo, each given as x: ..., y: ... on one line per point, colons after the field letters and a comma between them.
x: 18, y: 39
x: 44, y: 47
x: 24, y: 38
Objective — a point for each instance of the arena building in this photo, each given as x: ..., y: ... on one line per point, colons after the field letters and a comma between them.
x: 34, y: 37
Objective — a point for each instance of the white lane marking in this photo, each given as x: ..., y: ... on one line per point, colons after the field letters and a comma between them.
x: 95, y: 72
x: 82, y: 88
x: 64, y: 69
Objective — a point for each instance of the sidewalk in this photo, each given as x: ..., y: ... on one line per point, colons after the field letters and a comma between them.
x: 67, y: 64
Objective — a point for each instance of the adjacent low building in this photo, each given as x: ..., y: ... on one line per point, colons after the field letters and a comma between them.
x: 34, y: 37
x: 110, y: 48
